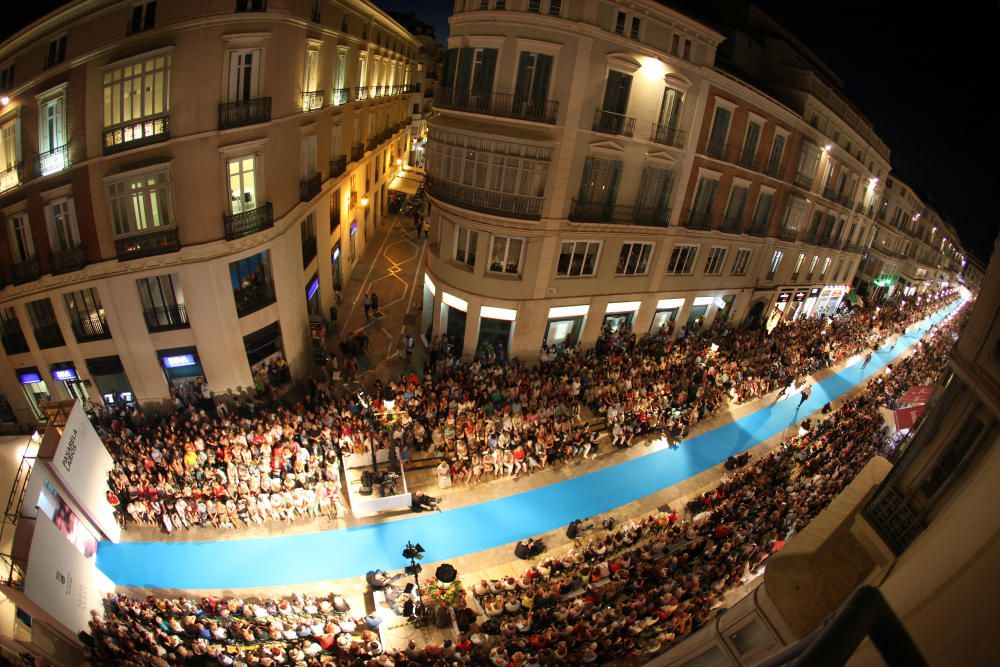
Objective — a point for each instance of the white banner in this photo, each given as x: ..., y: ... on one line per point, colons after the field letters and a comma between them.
x: 60, y: 580
x: 82, y: 465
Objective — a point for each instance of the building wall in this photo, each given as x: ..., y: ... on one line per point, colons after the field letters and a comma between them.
x: 584, y: 48
x: 199, y: 37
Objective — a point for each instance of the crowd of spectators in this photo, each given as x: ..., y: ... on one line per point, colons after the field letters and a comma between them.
x: 634, y: 590
x: 229, y: 465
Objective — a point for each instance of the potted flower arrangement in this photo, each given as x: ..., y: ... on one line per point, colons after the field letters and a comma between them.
x: 439, y: 597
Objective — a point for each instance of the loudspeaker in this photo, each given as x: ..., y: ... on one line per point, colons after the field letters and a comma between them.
x: 365, y: 490
x: 408, y: 608
x: 408, y: 589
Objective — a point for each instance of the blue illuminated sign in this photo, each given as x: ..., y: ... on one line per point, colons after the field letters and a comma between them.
x: 29, y: 377
x: 313, y: 286
x: 64, y: 374
x: 179, y: 361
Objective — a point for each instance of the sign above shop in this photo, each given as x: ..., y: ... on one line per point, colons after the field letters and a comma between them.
x: 179, y: 361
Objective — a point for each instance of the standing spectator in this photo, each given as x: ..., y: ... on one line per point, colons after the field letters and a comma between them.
x: 368, y: 306
x: 374, y: 304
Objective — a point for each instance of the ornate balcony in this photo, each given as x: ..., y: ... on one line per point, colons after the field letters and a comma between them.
x: 749, y: 161
x: 338, y: 166
x: 310, y: 187
x: 788, y: 234
x: 134, y: 134
x: 357, y: 152
x: 716, y: 151
x: 697, y: 220
x: 758, y: 229
x: 486, y: 201
x: 10, y: 178
x: 64, y: 261
x: 504, y: 105
x: 166, y: 318
x: 253, y: 296
x: 773, y: 169
x: 249, y: 222
x: 52, y: 161
x: 313, y: 99
x: 244, y: 112
x: 92, y: 328
x: 147, y: 244
x: 731, y: 225
x: 667, y: 135
x: 361, y: 93
x: 610, y: 122
x: 340, y: 96
x: 622, y: 214
x: 804, y: 181
x: 26, y: 271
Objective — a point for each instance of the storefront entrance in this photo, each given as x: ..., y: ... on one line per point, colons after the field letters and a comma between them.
x: 455, y: 328
x: 35, y: 390
x: 562, y: 332
x: 493, y: 334
x: 616, y: 321
x: 663, y: 318
x: 112, y: 383
x: 180, y: 365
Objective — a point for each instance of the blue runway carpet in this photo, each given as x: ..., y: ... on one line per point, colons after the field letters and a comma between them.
x: 337, y: 554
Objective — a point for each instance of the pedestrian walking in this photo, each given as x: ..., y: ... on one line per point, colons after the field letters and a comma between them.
x: 806, y: 391
x: 868, y: 359
x: 417, y: 226
x: 374, y: 304
x: 410, y: 344
x: 368, y: 306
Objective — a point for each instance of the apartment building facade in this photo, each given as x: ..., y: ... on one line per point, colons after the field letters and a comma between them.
x: 184, y: 184
x: 915, y: 249
x: 590, y: 165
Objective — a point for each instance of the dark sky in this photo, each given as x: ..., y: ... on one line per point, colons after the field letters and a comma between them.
x: 919, y: 72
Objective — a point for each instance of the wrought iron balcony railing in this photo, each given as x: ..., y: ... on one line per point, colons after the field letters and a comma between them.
x: 313, y: 99
x: 91, y: 328
x: 610, y: 122
x: 147, y: 244
x: 134, y: 134
x: 486, y: 201
x: 64, y: 261
x: 340, y: 96
x: 249, y: 222
x: 166, y: 318
x: 244, y: 112
x: 622, y: 214
x: 26, y: 271
x: 787, y: 234
x: 52, y: 161
x: 504, y: 105
x: 310, y: 187
x: 253, y: 297
x: 696, y: 220
x: 667, y: 135
x: 338, y: 166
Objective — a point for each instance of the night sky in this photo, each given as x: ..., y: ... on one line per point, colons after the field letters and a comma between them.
x: 919, y: 73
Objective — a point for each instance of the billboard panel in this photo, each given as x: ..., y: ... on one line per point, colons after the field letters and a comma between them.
x: 82, y: 465
x: 60, y: 579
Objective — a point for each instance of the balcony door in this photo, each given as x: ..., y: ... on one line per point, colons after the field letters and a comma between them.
x: 63, y: 232
x: 599, y: 187
x: 21, y: 243
x: 244, y: 75
x: 531, y: 90
x: 243, y: 184
x: 654, y: 194
x: 616, y: 92
x: 670, y: 109
x: 52, y: 132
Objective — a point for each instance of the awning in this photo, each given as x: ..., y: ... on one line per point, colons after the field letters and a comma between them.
x: 906, y: 417
x: 407, y: 181
x: 918, y: 393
